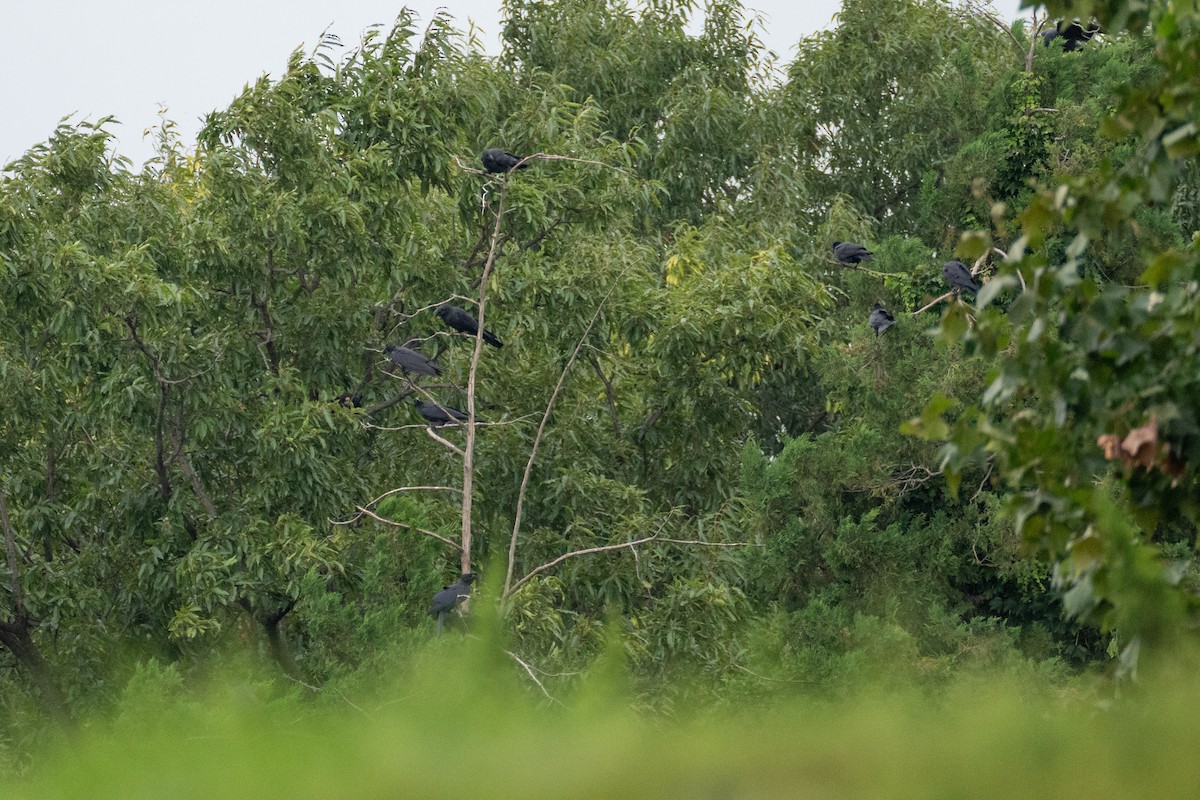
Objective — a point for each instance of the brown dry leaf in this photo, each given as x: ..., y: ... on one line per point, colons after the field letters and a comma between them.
x: 1141, y: 445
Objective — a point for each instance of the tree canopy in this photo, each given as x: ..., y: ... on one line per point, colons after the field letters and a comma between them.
x: 692, y: 441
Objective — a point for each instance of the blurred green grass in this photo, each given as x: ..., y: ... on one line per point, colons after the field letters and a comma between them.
x: 459, y: 721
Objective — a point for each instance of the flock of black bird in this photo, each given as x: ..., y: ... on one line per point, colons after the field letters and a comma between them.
x: 498, y: 161
x: 954, y: 272
x: 414, y: 362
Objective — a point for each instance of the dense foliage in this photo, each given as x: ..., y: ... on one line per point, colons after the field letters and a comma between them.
x: 693, y: 452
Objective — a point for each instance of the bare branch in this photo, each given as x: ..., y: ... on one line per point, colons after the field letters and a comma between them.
x: 1037, y: 31
x: 992, y: 18
x: 701, y: 543
x: 573, y: 554
x: 405, y: 525
x: 931, y: 304
x: 856, y: 267
x: 390, y: 492
x: 468, y: 452
x: 991, y: 462
x: 386, y: 404
x: 537, y: 439
x: 318, y: 689
x: 448, y: 444
x: 534, y: 678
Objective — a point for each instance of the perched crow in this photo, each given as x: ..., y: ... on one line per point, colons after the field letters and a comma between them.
x: 880, y: 319
x: 412, y: 361
x: 437, y: 414
x: 850, y: 253
x: 958, y: 276
x: 496, y: 160
x: 1073, y: 34
x: 462, y: 321
x: 450, y: 596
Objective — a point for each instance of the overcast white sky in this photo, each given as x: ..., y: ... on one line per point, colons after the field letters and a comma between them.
x: 127, y: 57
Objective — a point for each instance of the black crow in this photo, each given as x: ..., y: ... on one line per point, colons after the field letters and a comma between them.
x: 462, y: 321
x: 412, y: 361
x: 496, y: 160
x: 437, y: 414
x: 959, y: 277
x: 1073, y: 34
x: 880, y: 319
x: 850, y: 253
x: 449, y: 597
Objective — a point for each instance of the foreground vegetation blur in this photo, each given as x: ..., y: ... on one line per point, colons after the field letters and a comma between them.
x: 704, y: 483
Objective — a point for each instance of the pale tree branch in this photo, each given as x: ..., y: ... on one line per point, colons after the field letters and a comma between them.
x: 389, y: 493
x: 415, y: 425
x: 367, y: 512
x: 450, y: 446
x: 529, y: 671
x: 931, y: 304
x: 318, y: 689
x: 573, y: 554
x: 1037, y: 31
x: 468, y: 452
x: 537, y: 438
x: 702, y: 543
x: 992, y: 18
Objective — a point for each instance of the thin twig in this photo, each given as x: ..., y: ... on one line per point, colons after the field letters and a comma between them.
x: 857, y: 268
x: 406, y: 526
x: 766, y: 678
x: 397, y: 490
x: 532, y: 677
x: 537, y: 438
x: 986, y: 475
x: 482, y: 423
x: 712, y: 544
x: 319, y: 689
x: 982, y: 11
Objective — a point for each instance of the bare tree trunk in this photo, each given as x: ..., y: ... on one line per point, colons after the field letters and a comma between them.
x: 277, y: 643
x: 469, y: 449
x: 15, y: 631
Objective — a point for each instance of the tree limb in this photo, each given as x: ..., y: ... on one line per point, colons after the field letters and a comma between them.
x: 448, y: 444
x: 573, y: 554
x: 529, y: 671
x: 10, y: 550
x: 608, y: 393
